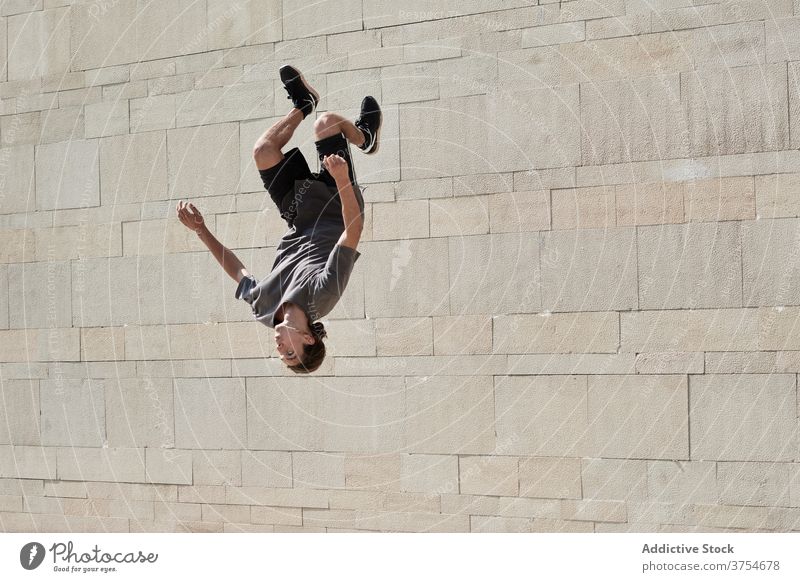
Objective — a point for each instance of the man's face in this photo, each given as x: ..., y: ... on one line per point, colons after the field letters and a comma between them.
x: 289, y: 343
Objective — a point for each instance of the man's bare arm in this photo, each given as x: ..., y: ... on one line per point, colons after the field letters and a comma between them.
x: 193, y: 219
x: 351, y: 214
x: 225, y: 257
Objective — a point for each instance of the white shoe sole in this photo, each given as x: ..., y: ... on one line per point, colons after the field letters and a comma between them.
x: 377, y: 136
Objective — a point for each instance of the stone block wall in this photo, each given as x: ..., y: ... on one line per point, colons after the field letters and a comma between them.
x: 577, y: 303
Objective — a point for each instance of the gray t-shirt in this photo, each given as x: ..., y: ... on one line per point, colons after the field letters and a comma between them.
x: 310, y: 268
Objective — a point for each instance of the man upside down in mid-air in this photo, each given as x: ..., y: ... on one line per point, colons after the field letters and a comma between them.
x: 325, y: 214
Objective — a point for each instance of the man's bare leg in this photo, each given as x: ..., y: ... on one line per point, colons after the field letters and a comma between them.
x: 267, y: 149
x: 329, y: 124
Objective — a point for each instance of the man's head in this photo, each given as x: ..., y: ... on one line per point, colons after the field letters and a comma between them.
x: 300, y: 345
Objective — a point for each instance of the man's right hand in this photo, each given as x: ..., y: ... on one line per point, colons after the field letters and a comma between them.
x: 337, y: 167
x: 190, y: 216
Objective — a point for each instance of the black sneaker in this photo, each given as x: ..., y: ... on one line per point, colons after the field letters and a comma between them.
x: 300, y: 92
x: 369, y: 122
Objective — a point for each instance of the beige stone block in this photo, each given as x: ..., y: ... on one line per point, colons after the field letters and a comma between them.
x: 777, y: 195
x: 424, y: 188
x: 39, y: 43
x: 174, y: 28
x: 277, y: 515
x: 167, y: 465
x: 571, y: 364
x: 406, y: 278
x: 160, y: 237
x: 557, y: 333
x: 554, y: 34
x: 313, y: 498
x: 491, y: 524
x: 575, y: 208
x: 719, y: 199
x: 385, y: 165
x: 251, y: 22
x: 337, y: 415
x: 498, y: 137
x: 455, y: 365
x: 21, y: 129
x: 429, y: 473
x: 140, y: 413
x: 248, y: 229
x: 67, y: 175
x: 397, y: 336
x: 780, y: 41
x: 765, y: 484
x: 39, y: 295
x: 519, y: 211
x: 17, y: 246
x: 743, y: 417
x: 133, y: 168
x: 462, y: 335
x: 17, y: 178
x: 73, y: 412
x: 266, y: 469
x: 593, y: 510
x: 707, y: 15
x: 459, y: 216
x: 78, y: 242
x: 24, y: 371
x: 748, y: 362
x: 589, y: 270
x: 26, y: 462
x: 101, y: 291
x: 692, y: 330
x: 303, y: 21
x: 210, y: 414
x: 543, y: 180
x: 225, y: 104
x: 470, y: 74
x: 346, y: 89
x: 318, y: 470
x: 625, y: 25
x: 742, y: 109
x: 27, y: 345
x: 201, y: 368
x: 544, y: 477
x: 100, y: 464
x: 641, y: 416
x: 152, y: 112
x: 418, y: 522
x: 102, y: 343
x: 670, y: 363
x: 449, y: 414
x: 494, y: 274
x: 350, y: 337
x: 775, y: 328
x: 698, y: 264
x: 168, y: 511
x: 231, y: 340
x: 410, y: 82
x: 4, y: 298
x: 620, y: 479
x: 20, y: 422
x: 501, y: 506
x: 769, y: 266
x: 202, y: 493
x: 682, y: 481
x: 400, y: 220
x: 649, y: 203
x: 226, y: 513
x: 376, y: 472
x: 103, y: 34
x: 202, y: 161
x: 541, y: 415
x: 217, y: 468
x: 632, y: 119
x: 137, y: 491
x: 106, y: 118
x: 489, y: 475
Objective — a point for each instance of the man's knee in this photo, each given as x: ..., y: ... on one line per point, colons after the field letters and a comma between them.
x: 266, y: 153
x: 327, y: 124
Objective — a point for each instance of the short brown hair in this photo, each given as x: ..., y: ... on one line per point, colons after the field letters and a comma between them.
x: 314, y: 354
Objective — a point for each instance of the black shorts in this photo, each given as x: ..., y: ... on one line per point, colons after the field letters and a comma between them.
x: 289, y: 175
